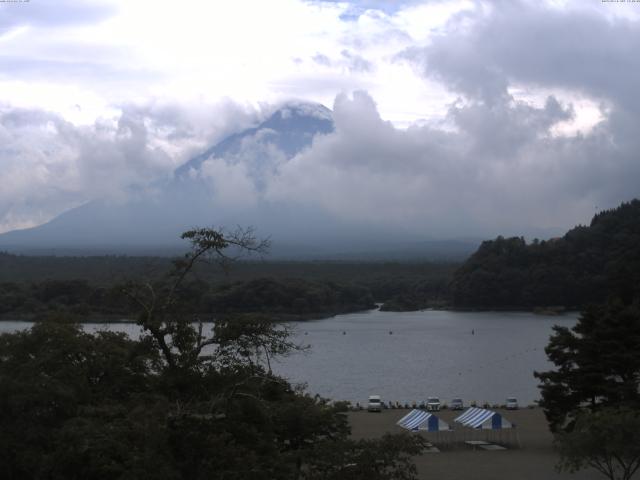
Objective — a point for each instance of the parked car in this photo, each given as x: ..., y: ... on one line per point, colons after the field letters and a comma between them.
x: 456, y: 404
x: 433, y: 404
x: 374, y: 404
x: 512, y: 403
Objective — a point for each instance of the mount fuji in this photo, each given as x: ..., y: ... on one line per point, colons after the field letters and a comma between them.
x: 150, y: 220
x: 153, y: 218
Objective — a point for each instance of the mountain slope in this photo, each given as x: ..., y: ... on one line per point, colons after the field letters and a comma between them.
x: 290, y: 129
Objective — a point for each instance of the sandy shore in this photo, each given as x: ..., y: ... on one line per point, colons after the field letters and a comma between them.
x: 534, y: 460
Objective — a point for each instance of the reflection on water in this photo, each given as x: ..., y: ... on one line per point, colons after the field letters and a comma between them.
x: 482, y: 356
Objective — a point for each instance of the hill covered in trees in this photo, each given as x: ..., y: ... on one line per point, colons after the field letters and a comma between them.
x: 587, y: 265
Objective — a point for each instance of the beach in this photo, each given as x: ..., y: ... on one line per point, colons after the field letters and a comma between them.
x: 535, y: 459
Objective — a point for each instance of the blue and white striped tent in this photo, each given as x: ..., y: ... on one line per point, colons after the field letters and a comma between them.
x: 421, y: 420
x: 483, y: 419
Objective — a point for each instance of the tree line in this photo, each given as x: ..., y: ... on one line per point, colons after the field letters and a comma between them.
x: 320, y: 290
x: 292, y: 298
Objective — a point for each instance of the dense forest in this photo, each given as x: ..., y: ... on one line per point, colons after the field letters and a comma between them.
x: 283, y: 298
x: 92, y: 287
x: 585, y: 266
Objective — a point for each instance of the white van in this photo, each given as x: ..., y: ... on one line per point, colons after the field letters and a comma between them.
x: 433, y: 404
x: 375, y: 403
x: 512, y: 403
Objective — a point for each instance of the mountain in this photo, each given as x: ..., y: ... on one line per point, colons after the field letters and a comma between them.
x: 152, y: 219
x: 586, y: 265
x: 290, y: 130
x: 202, y: 192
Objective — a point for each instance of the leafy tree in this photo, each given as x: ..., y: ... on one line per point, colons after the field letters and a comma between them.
x: 385, y: 459
x: 57, y: 383
x: 607, y: 440
x: 598, y: 364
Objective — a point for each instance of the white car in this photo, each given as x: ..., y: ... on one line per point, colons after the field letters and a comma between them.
x: 512, y: 403
x: 374, y: 404
x: 433, y: 404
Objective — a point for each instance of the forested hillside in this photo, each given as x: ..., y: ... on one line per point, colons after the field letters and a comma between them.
x: 585, y: 266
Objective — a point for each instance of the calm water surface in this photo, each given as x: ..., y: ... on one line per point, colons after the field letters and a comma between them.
x: 429, y: 353
x: 408, y: 356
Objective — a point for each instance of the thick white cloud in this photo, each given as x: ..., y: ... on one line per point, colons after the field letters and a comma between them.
x: 112, y: 53
x: 522, y: 116
x: 495, y: 169
x: 121, y: 92
x: 230, y: 184
x: 500, y: 171
x: 48, y: 165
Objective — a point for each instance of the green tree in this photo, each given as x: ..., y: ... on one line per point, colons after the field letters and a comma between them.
x: 597, y: 364
x: 607, y: 440
x: 58, y: 383
x: 386, y: 459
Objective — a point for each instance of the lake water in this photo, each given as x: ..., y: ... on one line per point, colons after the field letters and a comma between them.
x: 429, y: 353
x: 408, y: 356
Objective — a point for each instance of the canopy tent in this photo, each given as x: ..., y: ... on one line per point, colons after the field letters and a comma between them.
x: 421, y: 420
x: 483, y: 419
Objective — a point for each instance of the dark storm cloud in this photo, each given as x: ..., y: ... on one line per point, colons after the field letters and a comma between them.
x: 481, y: 53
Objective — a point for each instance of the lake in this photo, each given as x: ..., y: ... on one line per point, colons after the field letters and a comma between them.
x: 405, y: 357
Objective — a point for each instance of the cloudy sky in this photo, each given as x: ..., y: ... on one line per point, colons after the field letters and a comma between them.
x: 453, y: 118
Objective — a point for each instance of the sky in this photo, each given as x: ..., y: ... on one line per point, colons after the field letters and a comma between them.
x: 453, y: 117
